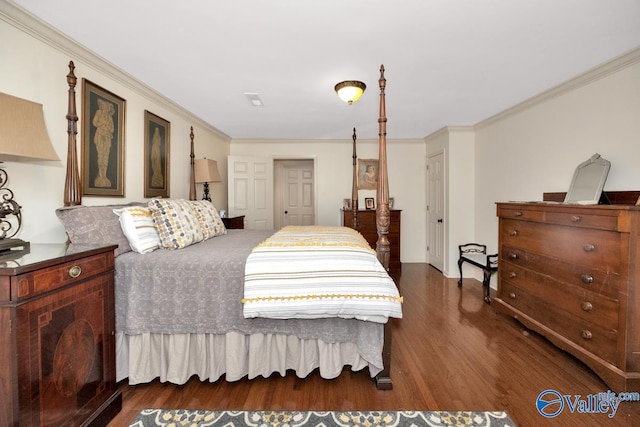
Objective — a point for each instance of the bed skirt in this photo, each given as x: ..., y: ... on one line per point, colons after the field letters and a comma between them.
x: 176, y: 358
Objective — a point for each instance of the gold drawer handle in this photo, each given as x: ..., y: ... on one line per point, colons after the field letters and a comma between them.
x: 513, y: 233
x: 589, y: 247
x: 586, y: 279
x: 512, y: 275
x: 517, y: 213
x: 587, y: 306
x: 576, y: 218
x: 513, y: 256
x: 512, y: 295
x: 75, y: 271
x: 586, y: 334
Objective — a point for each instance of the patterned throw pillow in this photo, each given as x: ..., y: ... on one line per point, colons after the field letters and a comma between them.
x: 137, y: 224
x: 209, y: 218
x: 176, y: 222
x: 91, y: 225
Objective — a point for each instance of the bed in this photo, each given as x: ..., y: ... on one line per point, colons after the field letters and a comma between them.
x: 179, y: 313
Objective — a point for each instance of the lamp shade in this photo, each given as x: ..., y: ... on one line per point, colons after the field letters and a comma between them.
x: 23, y: 135
x: 350, y: 90
x: 206, y: 170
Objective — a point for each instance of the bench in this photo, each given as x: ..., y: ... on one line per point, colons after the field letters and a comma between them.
x: 476, y: 255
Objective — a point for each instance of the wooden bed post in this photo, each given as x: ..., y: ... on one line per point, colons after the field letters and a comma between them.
x: 354, y: 185
x: 72, y: 194
x: 192, y: 176
x: 383, y: 379
x: 382, y: 209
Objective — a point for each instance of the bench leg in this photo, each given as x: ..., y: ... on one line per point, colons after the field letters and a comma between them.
x: 460, y: 268
x: 486, y: 286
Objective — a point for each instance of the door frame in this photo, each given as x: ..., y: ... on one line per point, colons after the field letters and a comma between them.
x: 444, y: 186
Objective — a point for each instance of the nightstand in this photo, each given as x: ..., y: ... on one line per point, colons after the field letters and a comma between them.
x: 234, y: 222
x: 57, y: 342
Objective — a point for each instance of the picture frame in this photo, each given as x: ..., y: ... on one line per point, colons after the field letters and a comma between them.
x: 369, y: 203
x: 391, y: 202
x: 368, y: 174
x: 103, y: 141
x: 346, y: 204
x: 157, y: 144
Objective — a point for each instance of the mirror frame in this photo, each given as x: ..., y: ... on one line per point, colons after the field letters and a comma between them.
x: 585, y: 177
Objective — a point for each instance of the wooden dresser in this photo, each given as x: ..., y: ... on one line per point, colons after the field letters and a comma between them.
x: 57, y: 343
x: 368, y: 229
x: 572, y: 274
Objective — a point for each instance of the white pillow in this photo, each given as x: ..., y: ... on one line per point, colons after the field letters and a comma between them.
x: 138, y: 226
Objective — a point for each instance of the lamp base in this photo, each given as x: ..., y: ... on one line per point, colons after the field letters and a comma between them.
x: 7, y: 245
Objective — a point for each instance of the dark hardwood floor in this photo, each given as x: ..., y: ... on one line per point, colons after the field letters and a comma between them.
x: 450, y: 352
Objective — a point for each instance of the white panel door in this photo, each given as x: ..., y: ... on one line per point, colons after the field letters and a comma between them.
x: 435, y: 210
x: 294, y: 197
x: 250, y: 190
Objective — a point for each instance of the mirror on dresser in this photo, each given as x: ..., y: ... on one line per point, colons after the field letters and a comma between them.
x: 588, y: 182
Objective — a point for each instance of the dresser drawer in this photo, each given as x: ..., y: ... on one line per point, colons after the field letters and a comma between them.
x: 591, y: 336
x: 586, y: 277
x: 586, y: 305
x: 597, y: 248
x: 575, y: 217
x: 28, y: 285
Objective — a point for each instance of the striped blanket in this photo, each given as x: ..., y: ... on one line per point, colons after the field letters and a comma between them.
x: 310, y: 272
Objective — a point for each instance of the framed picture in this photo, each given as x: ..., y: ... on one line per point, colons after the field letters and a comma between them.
x: 346, y: 204
x: 103, y: 124
x: 367, y: 174
x: 369, y: 203
x: 157, y: 133
x: 391, y: 202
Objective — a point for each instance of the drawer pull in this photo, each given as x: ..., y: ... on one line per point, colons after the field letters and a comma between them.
x: 589, y: 247
x: 513, y: 256
x: 587, y: 306
x: 513, y: 233
x: 576, y: 218
x: 586, y: 334
x: 518, y: 213
x: 512, y: 295
x: 586, y: 279
x: 512, y: 275
x: 75, y: 271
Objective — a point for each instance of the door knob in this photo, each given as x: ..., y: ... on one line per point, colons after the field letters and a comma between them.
x: 286, y: 212
x: 440, y: 220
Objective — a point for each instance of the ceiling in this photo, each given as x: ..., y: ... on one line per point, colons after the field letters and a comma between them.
x: 448, y: 62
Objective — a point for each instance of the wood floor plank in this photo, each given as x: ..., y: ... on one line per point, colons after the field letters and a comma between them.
x: 451, y: 351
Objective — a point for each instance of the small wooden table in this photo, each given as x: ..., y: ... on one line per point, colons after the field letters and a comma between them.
x: 234, y: 222
x: 476, y: 255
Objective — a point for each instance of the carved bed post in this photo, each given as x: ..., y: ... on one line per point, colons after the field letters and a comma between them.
x: 382, y: 210
x: 354, y: 186
x: 383, y: 379
x: 72, y: 194
x: 192, y: 176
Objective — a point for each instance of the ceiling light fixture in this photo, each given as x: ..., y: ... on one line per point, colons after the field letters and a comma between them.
x: 350, y: 90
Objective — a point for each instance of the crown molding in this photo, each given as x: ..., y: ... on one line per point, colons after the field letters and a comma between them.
x: 611, y: 67
x: 21, y: 19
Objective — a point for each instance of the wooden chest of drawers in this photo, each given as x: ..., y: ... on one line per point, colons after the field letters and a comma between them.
x: 57, y: 343
x: 572, y: 274
x: 369, y: 230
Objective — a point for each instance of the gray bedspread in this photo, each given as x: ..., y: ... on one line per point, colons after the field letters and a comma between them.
x: 199, y: 289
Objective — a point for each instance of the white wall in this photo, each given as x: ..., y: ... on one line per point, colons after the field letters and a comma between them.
x: 406, y: 160
x: 535, y: 147
x: 34, y: 63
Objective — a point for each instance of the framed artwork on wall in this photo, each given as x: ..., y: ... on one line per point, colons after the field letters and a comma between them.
x: 103, y: 125
x: 367, y: 174
x: 157, y: 132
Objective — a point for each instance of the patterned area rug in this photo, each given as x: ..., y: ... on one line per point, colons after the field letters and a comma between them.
x: 187, y: 418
